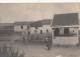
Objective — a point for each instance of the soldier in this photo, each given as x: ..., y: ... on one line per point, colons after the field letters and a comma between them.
x: 49, y: 43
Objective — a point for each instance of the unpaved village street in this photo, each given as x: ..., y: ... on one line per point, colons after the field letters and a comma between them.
x: 33, y: 50
x: 41, y: 51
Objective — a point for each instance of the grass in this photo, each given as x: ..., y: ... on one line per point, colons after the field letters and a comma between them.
x: 9, y: 52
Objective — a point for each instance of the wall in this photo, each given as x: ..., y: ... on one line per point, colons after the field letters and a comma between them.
x: 70, y: 29
x: 18, y: 28
x: 32, y: 30
x: 79, y: 27
x: 65, y: 40
x: 43, y: 28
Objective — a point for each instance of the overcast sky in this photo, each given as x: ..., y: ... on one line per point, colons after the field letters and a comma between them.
x: 29, y: 12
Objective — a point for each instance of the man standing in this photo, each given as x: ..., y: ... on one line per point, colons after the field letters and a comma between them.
x: 49, y: 43
x: 23, y: 36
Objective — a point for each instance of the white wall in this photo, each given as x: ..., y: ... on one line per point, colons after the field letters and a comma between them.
x: 70, y: 29
x: 32, y: 30
x: 79, y: 27
x: 65, y: 40
x: 18, y: 28
x: 61, y: 31
x: 43, y: 28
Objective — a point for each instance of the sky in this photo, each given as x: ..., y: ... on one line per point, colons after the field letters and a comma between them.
x: 12, y: 12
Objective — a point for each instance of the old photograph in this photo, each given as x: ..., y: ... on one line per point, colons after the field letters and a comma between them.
x: 39, y: 30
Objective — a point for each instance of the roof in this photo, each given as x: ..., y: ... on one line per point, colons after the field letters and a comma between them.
x: 40, y: 23
x: 36, y: 24
x: 6, y: 24
x: 65, y: 19
x: 23, y: 23
x: 46, y: 21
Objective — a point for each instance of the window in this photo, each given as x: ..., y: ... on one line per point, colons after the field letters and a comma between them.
x: 36, y: 27
x: 28, y: 32
x: 21, y: 27
x: 56, y: 32
x: 27, y: 27
x: 66, y: 31
x: 47, y: 30
x: 40, y: 31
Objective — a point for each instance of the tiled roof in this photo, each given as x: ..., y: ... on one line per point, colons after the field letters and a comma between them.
x: 46, y: 21
x: 36, y: 24
x: 23, y: 23
x: 65, y: 19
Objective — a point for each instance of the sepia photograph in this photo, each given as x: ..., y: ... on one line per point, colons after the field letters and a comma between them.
x: 39, y: 30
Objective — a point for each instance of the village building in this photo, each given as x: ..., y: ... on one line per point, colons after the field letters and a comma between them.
x: 20, y: 26
x: 34, y: 29
x: 65, y: 29
x: 46, y: 26
x: 40, y: 28
x: 43, y: 26
x: 35, y: 26
x: 6, y: 27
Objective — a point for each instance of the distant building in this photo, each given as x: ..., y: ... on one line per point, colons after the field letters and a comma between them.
x: 34, y: 29
x: 46, y: 26
x: 20, y: 26
x: 35, y: 26
x: 43, y: 26
x: 39, y: 28
x: 65, y: 29
x: 6, y: 27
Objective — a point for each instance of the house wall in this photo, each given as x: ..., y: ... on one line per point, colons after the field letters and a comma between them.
x: 79, y: 27
x: 65, y: 41
x: 19, y: 29
x: 72, y: 31
x: 32, y: 30
x: 38, y: 33
x: 43, y: 28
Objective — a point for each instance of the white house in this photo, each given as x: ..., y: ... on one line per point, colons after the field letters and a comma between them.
x: 20, y: 26
x: 40, y: 28
x: 35, y: 26
x: 46, y: 26
x: 65, y: 29
x: 34, y: 30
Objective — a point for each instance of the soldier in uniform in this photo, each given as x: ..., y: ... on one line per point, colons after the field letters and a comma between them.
x: 49, y: 43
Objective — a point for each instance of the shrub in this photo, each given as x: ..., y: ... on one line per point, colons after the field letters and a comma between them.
x: 9, y: 52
